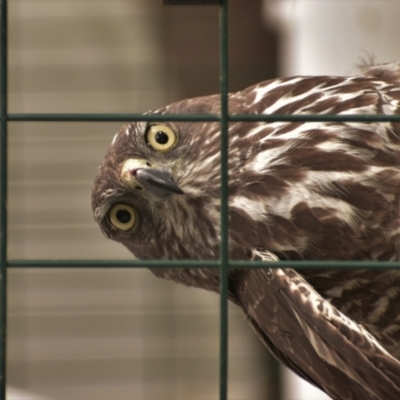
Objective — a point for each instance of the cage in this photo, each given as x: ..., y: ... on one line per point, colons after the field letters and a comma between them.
x: 79, y: 324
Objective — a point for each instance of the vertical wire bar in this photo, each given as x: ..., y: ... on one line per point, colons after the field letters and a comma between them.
x: 3, y: 195
x: 223, y: 386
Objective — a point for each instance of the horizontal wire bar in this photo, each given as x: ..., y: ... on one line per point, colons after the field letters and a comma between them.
x: 316, y: 117
x: 190, y: 2
x: 115, y: 263
x: 111, y: 117
x: 201, y: 117
x: 242, y: 264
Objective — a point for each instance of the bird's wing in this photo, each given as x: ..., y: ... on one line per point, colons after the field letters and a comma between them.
x: 310, y: 336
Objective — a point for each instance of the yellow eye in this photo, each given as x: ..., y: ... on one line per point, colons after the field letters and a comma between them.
x: 122, y: 217
x: 160, y: 137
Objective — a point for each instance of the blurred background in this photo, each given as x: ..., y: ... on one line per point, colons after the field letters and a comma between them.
x: 113, y: 334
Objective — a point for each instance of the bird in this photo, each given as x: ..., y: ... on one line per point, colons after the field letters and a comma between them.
x: 298, y: 190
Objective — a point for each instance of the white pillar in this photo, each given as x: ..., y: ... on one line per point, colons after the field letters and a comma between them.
x: 321, y: 37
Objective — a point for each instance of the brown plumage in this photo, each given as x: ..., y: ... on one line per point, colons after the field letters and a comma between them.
x: 299, y: 191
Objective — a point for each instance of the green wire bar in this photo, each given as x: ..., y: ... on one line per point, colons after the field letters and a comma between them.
x: 3, y: 196
x: 112, y: 117
x: 238, y: 264
x: 223, y: 263
x: 224, y: 250
x: 201, y: 118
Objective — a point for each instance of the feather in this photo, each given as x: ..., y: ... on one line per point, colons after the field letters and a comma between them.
x: 297, y: 190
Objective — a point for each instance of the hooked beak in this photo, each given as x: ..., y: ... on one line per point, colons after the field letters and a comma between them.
x: 158, y: 183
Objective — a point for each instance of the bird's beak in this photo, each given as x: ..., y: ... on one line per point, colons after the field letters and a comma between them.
x: 158, y: 183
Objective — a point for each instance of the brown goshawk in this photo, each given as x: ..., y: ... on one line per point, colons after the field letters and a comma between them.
x: 297, y: 191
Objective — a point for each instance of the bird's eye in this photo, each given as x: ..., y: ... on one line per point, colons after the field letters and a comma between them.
x: 122, y: 217
x: 160, y: 137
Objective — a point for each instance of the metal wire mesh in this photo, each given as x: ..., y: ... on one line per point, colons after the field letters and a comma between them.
x: 223, y: 264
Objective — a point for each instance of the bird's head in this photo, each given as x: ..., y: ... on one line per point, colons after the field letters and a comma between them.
x: 157, y: 189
